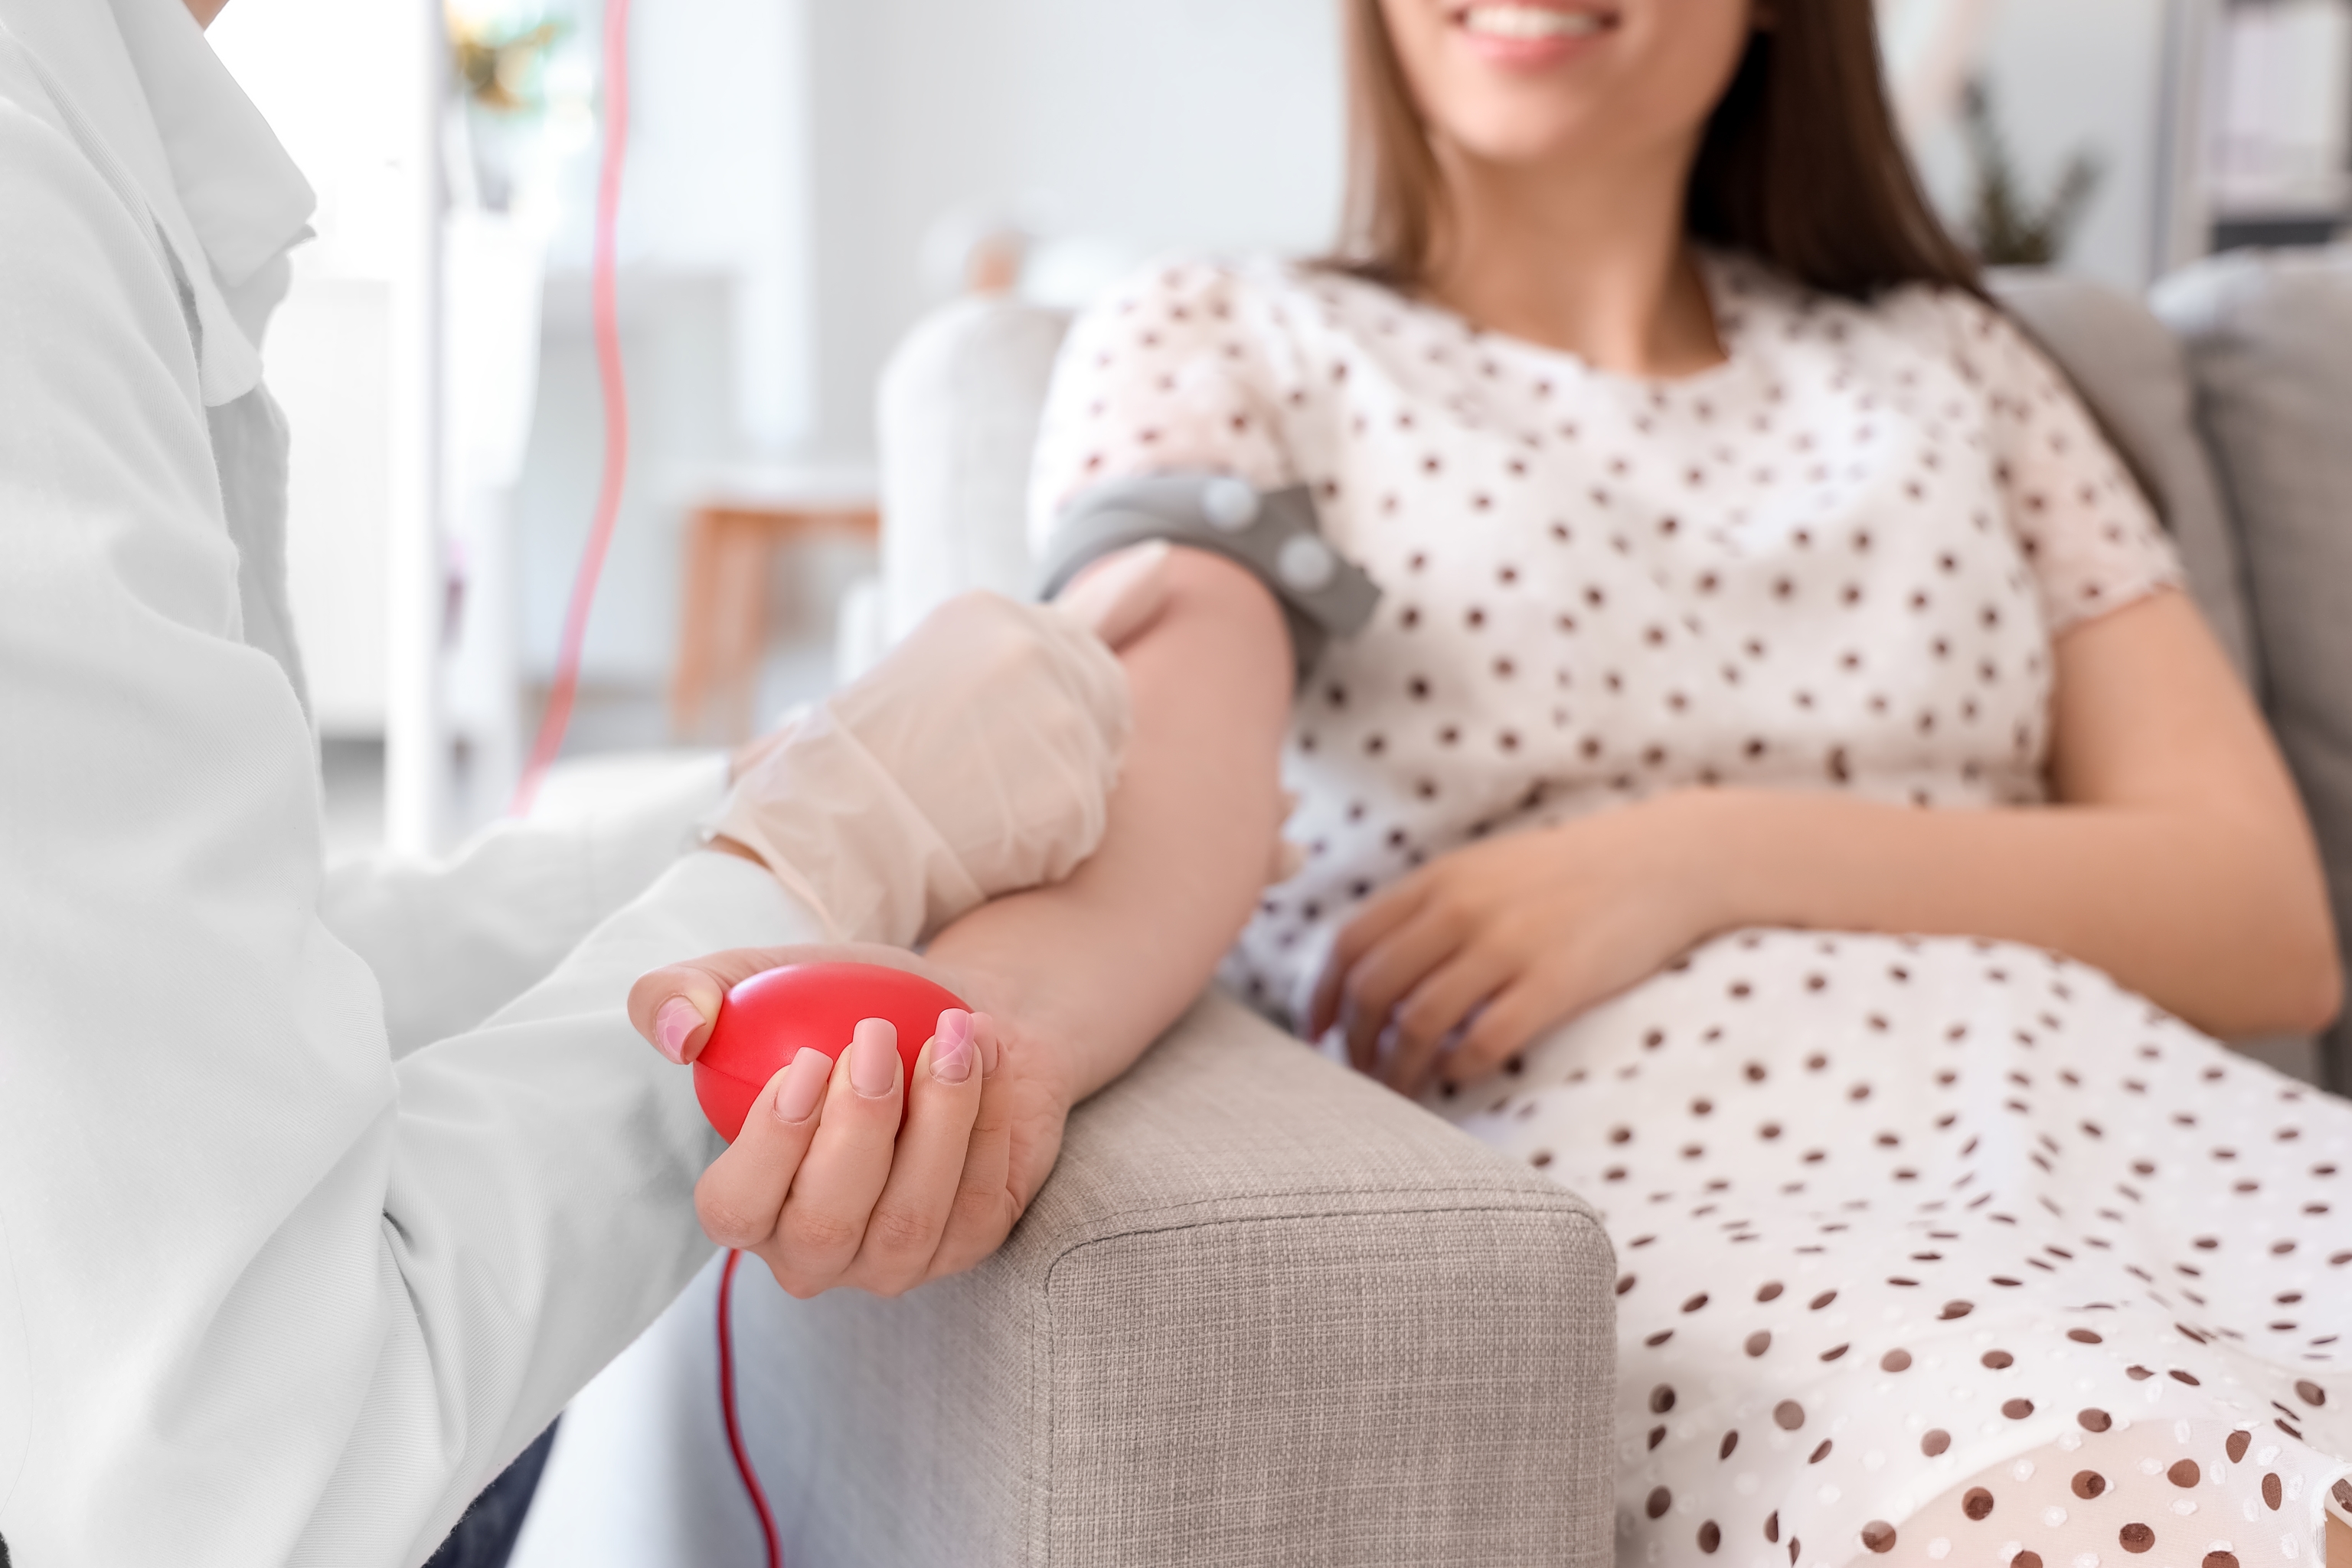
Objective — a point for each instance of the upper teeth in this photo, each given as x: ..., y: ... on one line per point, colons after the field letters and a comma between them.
x: 1530, y: 22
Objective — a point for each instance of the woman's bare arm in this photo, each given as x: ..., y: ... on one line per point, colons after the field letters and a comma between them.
x: 2176, y: 858
x: 1097, y: 966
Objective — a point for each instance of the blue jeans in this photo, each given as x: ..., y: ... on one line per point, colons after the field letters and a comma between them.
x: 485, y: 1537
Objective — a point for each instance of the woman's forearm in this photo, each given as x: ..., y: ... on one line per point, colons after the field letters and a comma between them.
x: 1098, y: 965
x: 2179, y: 858
x: 2213, y: 917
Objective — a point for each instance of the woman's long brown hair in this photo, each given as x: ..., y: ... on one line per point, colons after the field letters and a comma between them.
x: 1800, y: 164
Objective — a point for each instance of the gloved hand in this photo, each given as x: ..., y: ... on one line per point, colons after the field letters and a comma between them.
x: 977, y: 759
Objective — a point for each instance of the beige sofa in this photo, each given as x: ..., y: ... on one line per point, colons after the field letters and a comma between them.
x: 1265, y: 1312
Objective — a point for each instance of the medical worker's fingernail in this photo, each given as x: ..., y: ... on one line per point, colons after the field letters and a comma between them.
x: 803, y: 1086
x: 873, y: 1058
x: 951, y: 1048
x: 676, y: 1020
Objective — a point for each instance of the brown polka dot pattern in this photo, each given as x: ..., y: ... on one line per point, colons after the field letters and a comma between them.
x: 2091, y: 1367
x: 1943, y: 1236
x: 2121, y: 1495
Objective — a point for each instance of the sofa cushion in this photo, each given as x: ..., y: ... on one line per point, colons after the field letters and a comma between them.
x: 2269, y: 339
x: 2131, y: 371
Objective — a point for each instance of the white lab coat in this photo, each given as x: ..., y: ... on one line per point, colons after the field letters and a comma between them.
x: 320, y: 1193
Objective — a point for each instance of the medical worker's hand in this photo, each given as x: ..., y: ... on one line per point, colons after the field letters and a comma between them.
x: 976, y: 760
x: 823, y: 1183
x: 1453, y: 971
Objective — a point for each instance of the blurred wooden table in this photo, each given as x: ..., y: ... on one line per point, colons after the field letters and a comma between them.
x: 733, y: 531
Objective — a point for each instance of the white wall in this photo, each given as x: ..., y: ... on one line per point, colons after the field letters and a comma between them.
x: 717, y: 303
x: 680, y: 337
x: 796, y: 152
x: 2068, y: 75
x: 717, y: 182
x: 1205, y: 123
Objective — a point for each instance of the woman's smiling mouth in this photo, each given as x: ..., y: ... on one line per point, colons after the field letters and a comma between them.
x: 1530, y: 32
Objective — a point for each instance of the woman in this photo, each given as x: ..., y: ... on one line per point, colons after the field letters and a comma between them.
x: 1723, y: 526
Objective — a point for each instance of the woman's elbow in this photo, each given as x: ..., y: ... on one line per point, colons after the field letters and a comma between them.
x: 2288, y: 978
x: 2283, y: 972
x: 2268, y: 1000
x: 2310, y: 952
x: 2310, y: 992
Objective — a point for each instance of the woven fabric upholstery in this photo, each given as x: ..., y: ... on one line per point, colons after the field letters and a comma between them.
x: 2269, y: 339
x: 1263, y: 1312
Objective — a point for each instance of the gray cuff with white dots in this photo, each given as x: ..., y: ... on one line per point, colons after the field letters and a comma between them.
x: 1272, y: 534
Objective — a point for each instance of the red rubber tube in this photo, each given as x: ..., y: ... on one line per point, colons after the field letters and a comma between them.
x: 751, y: 1478
x: 612, y: 379
x: 604, y: 312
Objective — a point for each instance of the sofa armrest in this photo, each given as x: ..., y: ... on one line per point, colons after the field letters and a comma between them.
x: 1264, y: 1311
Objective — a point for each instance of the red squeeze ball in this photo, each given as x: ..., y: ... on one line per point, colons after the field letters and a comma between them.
x: 770, y: 1018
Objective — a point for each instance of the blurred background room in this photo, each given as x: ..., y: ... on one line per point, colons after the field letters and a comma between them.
x: 806, y: 179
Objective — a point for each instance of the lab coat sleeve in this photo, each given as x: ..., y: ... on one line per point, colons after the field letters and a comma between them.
x: 266, y: 1296
x: 450, y: 941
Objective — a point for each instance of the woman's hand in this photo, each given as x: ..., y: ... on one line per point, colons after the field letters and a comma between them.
x: 1485, y: 948
x: 823, y: 1183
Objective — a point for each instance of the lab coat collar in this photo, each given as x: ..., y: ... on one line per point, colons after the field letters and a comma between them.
x: 224, y: 194
x: 243, y: 194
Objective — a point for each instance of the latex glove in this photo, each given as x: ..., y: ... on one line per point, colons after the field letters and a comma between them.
x: 976, y: 759
x: 1117, y: 599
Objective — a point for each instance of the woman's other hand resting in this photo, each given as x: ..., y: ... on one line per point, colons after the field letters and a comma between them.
x: 823, y: 1183
x: 1498, y: 941
x: 2175, y: 856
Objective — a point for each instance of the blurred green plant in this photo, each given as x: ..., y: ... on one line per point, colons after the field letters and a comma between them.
x: 2007, y: 227
x: 499, y: 70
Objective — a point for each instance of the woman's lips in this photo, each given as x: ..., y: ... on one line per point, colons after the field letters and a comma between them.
x: 1521, y: 34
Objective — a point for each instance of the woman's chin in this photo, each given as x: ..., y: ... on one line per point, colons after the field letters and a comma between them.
x: 1540, y: 137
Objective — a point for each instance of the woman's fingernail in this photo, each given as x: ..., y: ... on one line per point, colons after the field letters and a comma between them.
x: 951, y: 1048
x: 873, y: 1058
x: 676, y: 1020
x: 803, y: 1086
